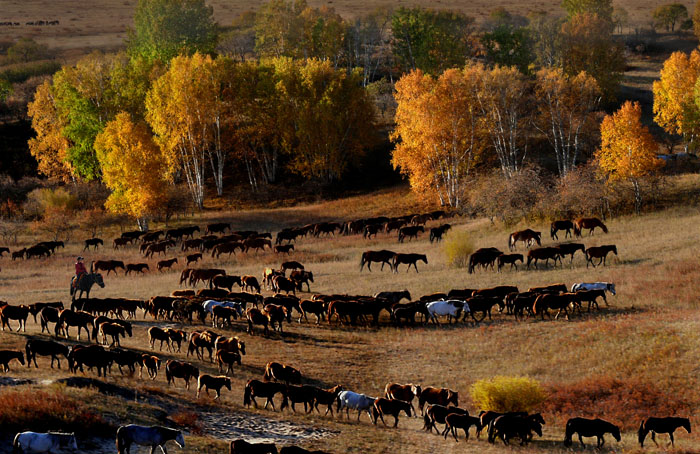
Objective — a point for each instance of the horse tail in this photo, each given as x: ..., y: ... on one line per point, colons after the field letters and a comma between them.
x: 386, y: 391
x: 120, y: 440
x: 569, y: 433
x: 246, y: 395
x: 427, y: 425
x: 16, y: 448
x: 362, y: 261
x: 168, y: 374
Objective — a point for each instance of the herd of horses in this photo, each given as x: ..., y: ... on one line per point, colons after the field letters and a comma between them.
x: 106, y: 320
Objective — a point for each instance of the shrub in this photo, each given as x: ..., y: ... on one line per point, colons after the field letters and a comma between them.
x: 32, y: 409
x: 457, y: 248
x: 21, y: 72
x: 189, y: 420
x: 504, y: 394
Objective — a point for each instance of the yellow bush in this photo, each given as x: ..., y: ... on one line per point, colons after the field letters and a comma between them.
x: 457, y: 248
x: 504, y: 394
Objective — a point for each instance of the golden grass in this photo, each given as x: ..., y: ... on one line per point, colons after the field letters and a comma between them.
x: 648, y: 337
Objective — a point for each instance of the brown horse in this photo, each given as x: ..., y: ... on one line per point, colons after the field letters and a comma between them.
x: 284, y: 249
x: 8, y: 355
x: 383, y: 406
x: 69, y: 317
x: 282, y: 373
x: 152, y: 365
x: 410, y: 232
x: 527, y: 236
x: 383, y: 257
x: 599, y: 252
x: 243, y: 447
x: 326, y: 397
x: 318, y: 308
x: 114, y: 330
x: 436, y: 413
x: 166, y: 264
x: 50, y: 348
x: 213, y: 382
x: 570, y: 249
x: 410, y: 259
x: 543, y: 253
x: 509, y: 259
x: 250, y: 283
x: 156, y: 333
x: 257, y: 244
x: 19, y: 313
x: 666, y: 425
x: 403, y: 392
x: 226, y: 281
x: 180, y: 369
x: 256, y: 317
x: 483, y: 257
x: 227, y: 359
x: 46, y: 316
x: 559, y: 302
x: 108, y: 265
x: 299, y: 394
x: 588, y: 223
x: 136, y: 268
x: 257, y: 388
x: 439, y: 396
x: 230, y: 344
x: 455, y: 421
x: 565, y: 225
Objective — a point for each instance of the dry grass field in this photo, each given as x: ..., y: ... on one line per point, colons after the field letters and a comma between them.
x: 103, y: 24
x: 635, y: 358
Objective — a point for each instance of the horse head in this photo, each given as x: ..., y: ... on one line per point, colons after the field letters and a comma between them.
x: 642, y: 434
x: 241, y: 347
x: 416, y: 389
x: 98, y: 279
x: 424, y: 258
x: 453, y: 396
x: 615, y: 431
x: 180, y: 440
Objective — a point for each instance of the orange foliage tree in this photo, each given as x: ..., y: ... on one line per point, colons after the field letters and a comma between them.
x: 133, y: 167
x: 627, y: 151
x: 438, y: 132
x: 49, y: 147
x: 567, y: 107
x: 674, y: 107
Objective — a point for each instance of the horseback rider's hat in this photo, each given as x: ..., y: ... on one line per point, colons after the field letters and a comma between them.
x: 80, y: 258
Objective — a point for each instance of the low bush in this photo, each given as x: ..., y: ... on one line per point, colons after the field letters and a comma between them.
x: 457, y: 248
x: 39, y: 410
x: 21, y: 72
x: 505, y: 394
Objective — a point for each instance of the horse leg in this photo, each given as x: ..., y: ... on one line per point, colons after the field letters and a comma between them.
x: 653, y: 437
x: 670, y: 434
x: 580, y: 438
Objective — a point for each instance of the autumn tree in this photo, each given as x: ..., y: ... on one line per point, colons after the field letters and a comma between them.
x: 279, y: 28
x: 327, y: 117
x: 587, y: 45
x: 508, y: 45
x: 187, y: 111
x: 620, y: 18
x: 26, y: 50
x: 602, y: 8
x: 134, y: 168
x: 545, y: 33
x: 368, y: 41
x: 627, y: 152
x: 438, y: 133
x: 431, y: 40
x: 674, y: 106
x: 164, y: 29
x: 49, y: 147
x: 669, y: 15
x: 505, y: 98
x: 567, y: 106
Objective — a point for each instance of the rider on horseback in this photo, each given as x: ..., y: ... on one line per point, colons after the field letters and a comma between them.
x: 79, y: 271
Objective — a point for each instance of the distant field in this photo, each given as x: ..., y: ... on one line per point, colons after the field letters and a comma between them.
x: 635, y: 358
x: 103, y: 23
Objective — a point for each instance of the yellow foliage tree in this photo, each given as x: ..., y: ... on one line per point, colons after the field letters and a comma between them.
x: 627, y: 151
x: 567, y: 110
x: 506, y: 394
x: 438, y: 132
x: 49, y: 147
x: 133, y: 167
x: 674, y: 109
x: 187, y: 113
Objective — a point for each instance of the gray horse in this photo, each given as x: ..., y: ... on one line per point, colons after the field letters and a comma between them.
x: 85, y: 284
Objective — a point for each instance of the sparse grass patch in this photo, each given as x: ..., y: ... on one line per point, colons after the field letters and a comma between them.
x: 189, y: 420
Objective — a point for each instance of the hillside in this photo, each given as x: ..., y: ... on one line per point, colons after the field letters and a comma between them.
x: 633, y: 358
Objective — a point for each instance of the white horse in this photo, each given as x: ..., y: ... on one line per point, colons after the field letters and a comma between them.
x: 606, y: 286
x: 153, y: 436
x: 451, y: 308
x: 209, y: 306
x: 356, y: 401
x: 31, y: 442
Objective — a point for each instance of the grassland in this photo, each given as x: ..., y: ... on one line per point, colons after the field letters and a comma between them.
x: 103, y: 25
x: 637, y: 357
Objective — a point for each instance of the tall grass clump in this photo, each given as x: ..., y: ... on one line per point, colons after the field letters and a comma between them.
x: 457, y: 248
x: 505, y: 394
x: 39, y: 410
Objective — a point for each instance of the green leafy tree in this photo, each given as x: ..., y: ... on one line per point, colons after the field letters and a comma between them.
x: 620, y: 17
x: 25, y: 50
x: 507, y: 45
x: 5, y: 90
x: 164, y: 29
x: 667, y: 16
x: 602, y: 8
x: 431, y: 40
x: 545, y: 32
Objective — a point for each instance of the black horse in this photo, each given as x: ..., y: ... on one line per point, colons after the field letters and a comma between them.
x: 85, y: 284
x: 590, y: 428
x: 661, y: 426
